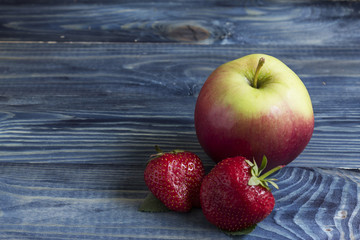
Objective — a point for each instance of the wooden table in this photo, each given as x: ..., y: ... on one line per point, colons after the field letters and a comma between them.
x: 87, y: 88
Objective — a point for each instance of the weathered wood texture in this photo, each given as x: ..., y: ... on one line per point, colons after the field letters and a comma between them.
x: 104, y: 103
x: 205, y: 22
x: 87, y: 88
x: 80, y: 201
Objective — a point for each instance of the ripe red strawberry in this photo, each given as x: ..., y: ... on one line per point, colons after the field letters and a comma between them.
x: 175, y: 179
x: 234, y: 197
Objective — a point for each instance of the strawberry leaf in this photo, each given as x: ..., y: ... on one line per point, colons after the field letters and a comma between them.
x: 255, y: 169
x: 264, y: 184
x: 241, y: 232
x: 274, y: 184
x: 253, y: 181
x: 176, y: 151
x: 250, y: 163
x: 152, y: 204
x: 263, y: 164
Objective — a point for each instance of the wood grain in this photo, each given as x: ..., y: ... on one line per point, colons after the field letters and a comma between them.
x: 81, y: 201
x: 88, y: 87
x: 105, y: 103
x: 203, y: 22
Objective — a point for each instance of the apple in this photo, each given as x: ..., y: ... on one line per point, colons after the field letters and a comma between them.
x: 254, y: 106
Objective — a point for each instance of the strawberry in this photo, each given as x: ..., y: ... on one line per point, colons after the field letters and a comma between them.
x: 175, y: 179
x: 234, y: 197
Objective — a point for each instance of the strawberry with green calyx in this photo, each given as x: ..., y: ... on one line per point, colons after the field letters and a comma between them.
x: 175, y: 179
x: 234, y: 196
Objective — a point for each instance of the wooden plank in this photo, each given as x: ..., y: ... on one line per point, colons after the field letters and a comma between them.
x: 82, y: 201
x: 105, y: 103
x: 79, y: 120
x: 204, y: 22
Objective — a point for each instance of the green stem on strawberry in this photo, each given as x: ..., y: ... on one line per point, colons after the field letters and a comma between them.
x: 158, y: 149
x: 260, y: 64
x: 265, y: 175
x: 256, y: 179
x: 160, y: 152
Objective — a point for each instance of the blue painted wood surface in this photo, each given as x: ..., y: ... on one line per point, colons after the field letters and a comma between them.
x: 105, y: 103
x: 255, y: 22
x: 87, y: 88
x: 87, y: 201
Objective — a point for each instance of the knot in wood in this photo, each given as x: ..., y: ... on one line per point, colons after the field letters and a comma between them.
x: 188, y: 33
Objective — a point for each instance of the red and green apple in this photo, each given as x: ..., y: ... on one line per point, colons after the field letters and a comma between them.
x: 254, y: 106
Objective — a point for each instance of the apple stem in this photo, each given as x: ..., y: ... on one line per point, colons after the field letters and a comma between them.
x: 260, y: 64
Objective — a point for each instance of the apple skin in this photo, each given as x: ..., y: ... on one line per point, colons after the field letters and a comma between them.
x: 232, y: 118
